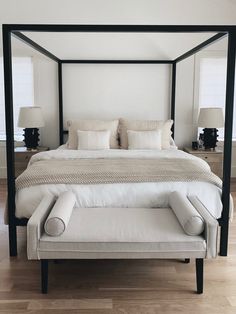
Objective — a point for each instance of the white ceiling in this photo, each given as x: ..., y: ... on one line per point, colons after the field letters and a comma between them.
x: 117, y: 45
x: 174, y: 12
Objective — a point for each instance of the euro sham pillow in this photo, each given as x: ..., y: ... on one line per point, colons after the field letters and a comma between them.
x: 93, y: 140
x: 144, y: 139
x: 145, y: 125
x: 92, y: 125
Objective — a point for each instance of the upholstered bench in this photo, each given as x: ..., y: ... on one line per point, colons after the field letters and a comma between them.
x: 116, y: 233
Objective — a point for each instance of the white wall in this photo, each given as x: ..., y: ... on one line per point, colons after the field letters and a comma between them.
x: 46, y: 96
x: 184, y: 102
x: 115, y: 12
x: 113, y: 91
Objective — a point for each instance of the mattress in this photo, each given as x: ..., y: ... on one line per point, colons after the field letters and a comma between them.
x: 144, y: 194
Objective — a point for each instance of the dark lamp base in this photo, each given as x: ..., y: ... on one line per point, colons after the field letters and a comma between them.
x: 210, y: 138
x: 31, y: 138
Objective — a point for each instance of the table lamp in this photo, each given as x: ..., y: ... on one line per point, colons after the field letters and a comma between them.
x: 210, y: 119
x: 31, y: 118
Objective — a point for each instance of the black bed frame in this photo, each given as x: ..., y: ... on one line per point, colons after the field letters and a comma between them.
x: 15, y: 29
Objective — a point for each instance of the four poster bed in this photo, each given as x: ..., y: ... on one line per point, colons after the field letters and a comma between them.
x: 18, y: 216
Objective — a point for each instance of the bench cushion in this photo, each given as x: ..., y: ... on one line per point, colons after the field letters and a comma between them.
x: 122, y: 232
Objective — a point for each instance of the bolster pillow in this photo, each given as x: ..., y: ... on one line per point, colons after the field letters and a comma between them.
x: 189, y: 218
x: 59, y: 216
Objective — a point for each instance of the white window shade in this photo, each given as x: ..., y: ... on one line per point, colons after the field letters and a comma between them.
x: 23, y: 91
x: 212, y: 85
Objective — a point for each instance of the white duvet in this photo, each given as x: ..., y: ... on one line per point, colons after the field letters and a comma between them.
x: 119, y: 195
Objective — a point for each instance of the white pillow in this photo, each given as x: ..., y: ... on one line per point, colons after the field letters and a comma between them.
x: 93, y: 139
x: 189, y: 218
x: 60, y: 214
x: 144, y: 139
x: 145, y: 125
x: 92, y: 125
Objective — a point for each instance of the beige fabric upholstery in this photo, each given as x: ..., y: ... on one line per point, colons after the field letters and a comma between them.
x: 144, y: 139
x: 120, y: 233
x: 92, y: 125
x: 35, y: 226
x: 93, y: 139
x: 189, y: 218
x: 60, y: 214
x: 211, y: 226
x: 145, y: 125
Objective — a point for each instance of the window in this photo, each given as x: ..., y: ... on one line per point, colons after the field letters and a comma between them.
x: 212, y: 82
x: 23, y: 91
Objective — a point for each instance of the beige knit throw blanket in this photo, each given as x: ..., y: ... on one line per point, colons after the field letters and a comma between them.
x: 114, y: 170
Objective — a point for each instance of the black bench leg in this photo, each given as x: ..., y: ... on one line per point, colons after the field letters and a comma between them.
x: 44, y: 276
x: 199, y: 275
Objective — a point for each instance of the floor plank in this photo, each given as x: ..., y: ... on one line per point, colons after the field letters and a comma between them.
x: 114, y: 286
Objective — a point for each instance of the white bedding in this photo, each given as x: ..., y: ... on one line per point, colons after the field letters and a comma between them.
x: 119, y: 195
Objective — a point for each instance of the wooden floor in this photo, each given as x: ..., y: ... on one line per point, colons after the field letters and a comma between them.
x: 116, y: 286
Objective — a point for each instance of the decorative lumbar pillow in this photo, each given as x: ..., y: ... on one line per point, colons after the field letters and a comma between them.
x: 189, y: 218
x: 60, y: 214
x: 145, y: 125
x: 92, y: 125
x: 144, y: 139
x: 93, y: 139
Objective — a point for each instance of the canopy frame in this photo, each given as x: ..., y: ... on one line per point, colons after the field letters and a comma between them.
x: 16, y: 30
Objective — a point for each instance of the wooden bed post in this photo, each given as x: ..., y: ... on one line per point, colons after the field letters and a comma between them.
x: 60, y: 100
x: 173, y: 88
x: 7, y: 59
x: 229, y: 108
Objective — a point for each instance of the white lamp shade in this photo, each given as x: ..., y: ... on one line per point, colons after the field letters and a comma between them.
x: 30, y: 117
x: 211, y: 118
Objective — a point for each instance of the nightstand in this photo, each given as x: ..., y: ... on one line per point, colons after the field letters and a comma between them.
x: 214, y: 158
x: 22, y: 157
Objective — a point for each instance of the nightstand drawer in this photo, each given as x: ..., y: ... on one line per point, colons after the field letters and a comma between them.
x: 213, y: 158
x: 210, y: 157
x: 23, y: 157
x: 21, y: 164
